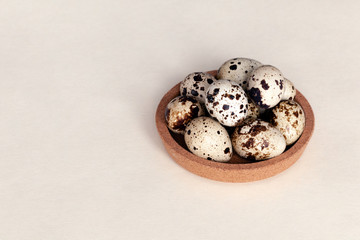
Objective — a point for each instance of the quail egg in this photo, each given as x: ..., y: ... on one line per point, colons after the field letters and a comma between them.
x: 289, y: 118
x: 238, y: 70
x: 180, y: 111
x: 258, y: 140
x: 253, y: 110
x: 227, y: 102
x: 266, y: 86
x: 289, y: 90
x: 195, y: 85
x: 206, y: 138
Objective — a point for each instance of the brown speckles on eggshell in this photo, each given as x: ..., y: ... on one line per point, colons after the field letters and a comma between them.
x: 225, y: 98
x: 288, y: 117
x: 267, y: 92
x: 237, y: 70
x: 195, y: 85
x: 180, y: 111
x: 258, y: 140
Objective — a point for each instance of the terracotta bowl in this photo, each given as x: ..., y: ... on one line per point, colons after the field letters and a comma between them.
x: 237, y: 169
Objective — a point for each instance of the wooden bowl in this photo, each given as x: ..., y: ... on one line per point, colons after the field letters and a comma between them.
x: 237, y: 169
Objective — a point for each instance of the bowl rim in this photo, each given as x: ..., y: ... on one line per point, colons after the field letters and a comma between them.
x: 297, y: 147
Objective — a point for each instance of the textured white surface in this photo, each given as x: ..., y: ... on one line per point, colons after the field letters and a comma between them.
x: 79, y: 153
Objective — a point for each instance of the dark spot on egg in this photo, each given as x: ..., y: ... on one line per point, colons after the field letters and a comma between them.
x: 255, y: 95
x: 194, y: 92
x: 226, y: 107
x: 265, y: 144
x: 210, y: 98
x: 210, y: 81
x: 216, y: 91
x: 249, y: 143
x: 233, y: 67
x: 227, y: 150
x: 281, y: 85
x: 209, y: 158
x: 197, y: 78
x: 256, y: 129
x: 295, y: 124
x: 189, y: 132
x: 184, y: 91
x: 264, y: 85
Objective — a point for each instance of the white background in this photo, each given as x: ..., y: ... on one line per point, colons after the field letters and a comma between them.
x: 80, y: 157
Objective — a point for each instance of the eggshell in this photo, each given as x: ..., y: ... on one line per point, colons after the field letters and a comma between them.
x: 180, y: 111
x: 266, y: 86
x: 227, y: 102
x: 289, y: 118
x: 195, y: 85
x: 206, y: 138
x: 253, y: 110
x: 258, y: 140
x: 289, y: 90
x: 238, y: 70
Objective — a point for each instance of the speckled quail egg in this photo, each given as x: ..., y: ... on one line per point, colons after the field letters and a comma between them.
x: 238, y: 70
x: 266, y: 86
x: 206, y: 138
x: 258, y: 140
x: 195, y: 85
x: 289, y: 118
x: 253, y: 110
x: 180, y: 111
x: 289, y: 90
x: 227, y: 102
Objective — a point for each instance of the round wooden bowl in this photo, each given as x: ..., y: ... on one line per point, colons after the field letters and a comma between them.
x: 237, y: 169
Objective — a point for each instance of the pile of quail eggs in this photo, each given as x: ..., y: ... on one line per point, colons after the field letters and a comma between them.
x: 252, y: 101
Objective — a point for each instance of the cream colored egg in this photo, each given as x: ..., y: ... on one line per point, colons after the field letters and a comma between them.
x: 238, y: 70
x: 258, y: 140
x: 180, y: 111
x: 266, y: 86
x: 289, y: 90
x: 195, y: 85
x: 206, y: 138
x: 227, y: 102
x: 289, y: 118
